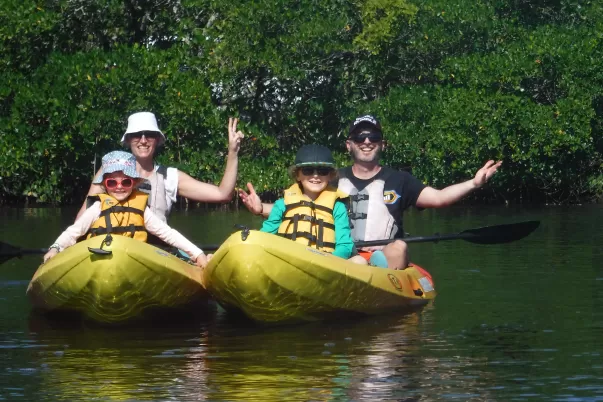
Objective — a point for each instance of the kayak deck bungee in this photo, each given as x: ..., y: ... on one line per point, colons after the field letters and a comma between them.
x: 134, y: 279
x: 271, y: 279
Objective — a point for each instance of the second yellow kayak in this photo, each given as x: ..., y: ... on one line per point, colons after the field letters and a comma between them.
x: 272, y: 279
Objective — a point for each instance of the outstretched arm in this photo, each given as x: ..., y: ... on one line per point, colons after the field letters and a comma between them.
x: 253, y: 202
x: 432, y: 198
x: 205, y: 192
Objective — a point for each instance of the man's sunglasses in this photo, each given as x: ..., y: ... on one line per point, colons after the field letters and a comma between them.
x: 314, y: 170
x: 149, y: 135
x: 125, y: 183
x: 361, y: 137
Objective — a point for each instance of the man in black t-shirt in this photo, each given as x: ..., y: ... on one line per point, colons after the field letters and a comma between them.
x: 379, y: 195
x: 394, y: 190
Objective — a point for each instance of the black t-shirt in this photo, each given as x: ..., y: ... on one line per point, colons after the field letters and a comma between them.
x: 400, y: 191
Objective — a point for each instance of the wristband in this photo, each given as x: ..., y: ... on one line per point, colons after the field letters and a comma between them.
x: 55, y: 246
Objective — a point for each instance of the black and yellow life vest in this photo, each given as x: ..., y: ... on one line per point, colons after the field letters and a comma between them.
x: 310, y: 222
x: 124, y: 218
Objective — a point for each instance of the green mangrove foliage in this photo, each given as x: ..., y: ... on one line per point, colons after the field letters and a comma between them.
x: 454, y: 82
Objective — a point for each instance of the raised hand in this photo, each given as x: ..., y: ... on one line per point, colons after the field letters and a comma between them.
x: 483, y: 175
x: 252, y: 201
x: 234, y: 136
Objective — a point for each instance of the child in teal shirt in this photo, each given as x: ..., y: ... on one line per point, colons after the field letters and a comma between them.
x: 311, y: 211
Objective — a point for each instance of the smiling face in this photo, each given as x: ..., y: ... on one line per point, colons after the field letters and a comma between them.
x: 143, y: 144
x: 118, y: 185
x: 314, y: 179
x: 365, y: 146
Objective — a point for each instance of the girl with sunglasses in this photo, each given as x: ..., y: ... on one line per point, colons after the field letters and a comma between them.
x: 311, y: 211
x: 122, y: 210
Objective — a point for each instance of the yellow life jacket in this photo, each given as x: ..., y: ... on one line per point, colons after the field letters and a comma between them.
x: 310, y: 222
x: 124, y: 218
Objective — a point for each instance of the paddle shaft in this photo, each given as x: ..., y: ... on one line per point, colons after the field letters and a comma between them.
x: 32, y: 251
x: 8, y: 251
x: 417, y: 239
x: 496, y: 234
x: 209, y: 247
x: 26, y: 251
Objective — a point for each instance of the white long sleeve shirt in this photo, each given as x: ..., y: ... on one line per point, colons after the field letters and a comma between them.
x: 152, y: 223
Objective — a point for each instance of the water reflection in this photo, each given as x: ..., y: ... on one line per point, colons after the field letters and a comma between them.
x: 521, y: 321
x: 367, y: 358
x: 81, y: 362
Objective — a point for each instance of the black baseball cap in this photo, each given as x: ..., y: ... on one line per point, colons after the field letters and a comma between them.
x: 366, y: 121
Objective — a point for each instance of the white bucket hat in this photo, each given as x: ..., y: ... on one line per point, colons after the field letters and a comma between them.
x: 117, y: 161
x: 142, y: 121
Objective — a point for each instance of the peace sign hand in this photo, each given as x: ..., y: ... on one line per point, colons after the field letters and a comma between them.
x: 234, y: 136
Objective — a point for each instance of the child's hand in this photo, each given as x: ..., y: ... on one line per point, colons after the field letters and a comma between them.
x: 202, y: 260
x: 51, y: 253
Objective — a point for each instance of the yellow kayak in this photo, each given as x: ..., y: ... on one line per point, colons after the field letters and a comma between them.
x: 270, y: 279
x: 134, y: 279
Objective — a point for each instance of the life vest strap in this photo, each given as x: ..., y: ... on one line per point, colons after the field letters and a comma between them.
x: 309, y: 204
x: 306, y: 235
x: 359, y: 197
x: 145, y: 187
x: 118, y: 229
x: 308, y: 218
x: 357, y: 215
x: 118, y: 208
x: 321, y: 232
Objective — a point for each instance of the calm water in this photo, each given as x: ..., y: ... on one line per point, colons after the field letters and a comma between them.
x: 515, y: 322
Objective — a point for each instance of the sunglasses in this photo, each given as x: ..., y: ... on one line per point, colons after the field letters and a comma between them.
x: 125, y: 183
x: 372, y: 137
x: 313, y: 170
x: 149, y: 135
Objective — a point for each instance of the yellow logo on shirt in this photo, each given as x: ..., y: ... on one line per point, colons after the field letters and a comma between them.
x: 390, y: 197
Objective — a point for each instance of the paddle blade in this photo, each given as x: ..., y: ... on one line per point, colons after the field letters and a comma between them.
x: 8, y: 251
x: 499, y: 233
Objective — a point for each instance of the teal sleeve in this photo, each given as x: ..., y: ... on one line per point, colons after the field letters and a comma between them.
x: 275, y: 218
x: 343, y: 234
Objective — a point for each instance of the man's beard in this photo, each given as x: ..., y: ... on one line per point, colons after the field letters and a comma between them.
x: 359, y: 156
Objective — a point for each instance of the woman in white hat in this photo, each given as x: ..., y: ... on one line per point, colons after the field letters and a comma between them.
x: 143, y: 137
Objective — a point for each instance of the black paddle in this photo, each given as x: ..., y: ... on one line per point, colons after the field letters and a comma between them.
x: 8, y: 251
x: 496, y: 234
